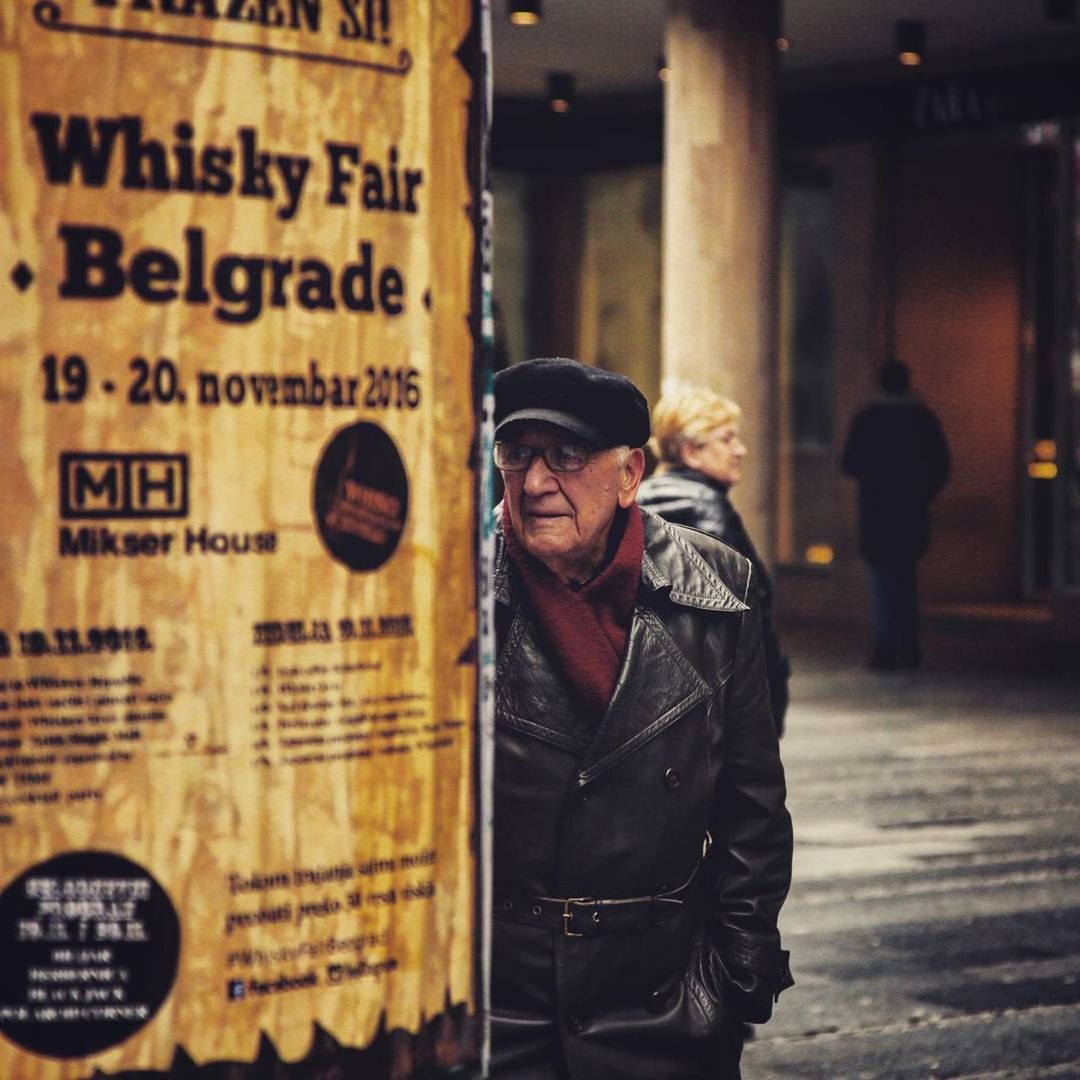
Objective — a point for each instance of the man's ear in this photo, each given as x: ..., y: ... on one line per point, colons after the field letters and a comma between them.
x: 630, y: 478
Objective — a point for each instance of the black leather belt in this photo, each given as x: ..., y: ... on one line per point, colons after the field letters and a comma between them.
x: 586, y: 916
x: 581, y: 916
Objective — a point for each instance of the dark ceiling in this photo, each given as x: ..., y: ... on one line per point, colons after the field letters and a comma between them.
x: 611, y: 46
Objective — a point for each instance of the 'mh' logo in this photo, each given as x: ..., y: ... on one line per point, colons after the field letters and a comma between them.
x: 123, y: 485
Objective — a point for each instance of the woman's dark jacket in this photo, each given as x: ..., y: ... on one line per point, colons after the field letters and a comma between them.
x: 621, y: 807
x: 689, y: 497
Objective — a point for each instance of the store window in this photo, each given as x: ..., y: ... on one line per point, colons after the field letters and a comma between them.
x: 1070, y: 497
x: 807, y: 467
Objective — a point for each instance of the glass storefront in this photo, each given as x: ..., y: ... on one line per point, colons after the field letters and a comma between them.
x: 1069, y: 499
x: 807, y: 459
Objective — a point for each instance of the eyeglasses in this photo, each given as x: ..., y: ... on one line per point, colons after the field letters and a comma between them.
x: 564, y: 457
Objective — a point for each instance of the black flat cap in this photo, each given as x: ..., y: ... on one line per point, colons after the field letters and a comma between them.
x: 600, y: 406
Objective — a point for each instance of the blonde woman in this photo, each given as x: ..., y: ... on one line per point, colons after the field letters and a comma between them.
x: 696, y: 441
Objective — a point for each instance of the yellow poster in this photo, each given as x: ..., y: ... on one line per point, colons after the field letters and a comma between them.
x: 239, y: 285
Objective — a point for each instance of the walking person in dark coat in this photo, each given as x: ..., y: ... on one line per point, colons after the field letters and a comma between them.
x: 897, y: 452
x: 642, y: 848
x: 696, y: 440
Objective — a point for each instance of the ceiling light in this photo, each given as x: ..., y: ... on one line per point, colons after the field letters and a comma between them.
x: 524, y: 12
x: 910, y: 41
x: 1060, y: 10
x: 781, y: 42
x: 560, y: 91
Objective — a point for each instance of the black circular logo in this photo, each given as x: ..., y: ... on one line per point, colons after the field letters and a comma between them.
x: 90, y: 945
x: 361, y: 496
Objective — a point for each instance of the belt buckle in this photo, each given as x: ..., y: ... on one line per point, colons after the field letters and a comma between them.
x: 568, y: 915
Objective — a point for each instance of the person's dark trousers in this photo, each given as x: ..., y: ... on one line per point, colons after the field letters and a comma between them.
x: 896, y: 617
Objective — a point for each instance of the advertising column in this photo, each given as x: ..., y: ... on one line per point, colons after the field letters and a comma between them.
x: 239, y: 367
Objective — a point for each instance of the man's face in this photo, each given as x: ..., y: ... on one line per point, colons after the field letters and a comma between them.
x: 720, y: 456
x: 563, y: 518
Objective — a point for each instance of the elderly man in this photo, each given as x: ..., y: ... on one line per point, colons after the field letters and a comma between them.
x: 642, y: 847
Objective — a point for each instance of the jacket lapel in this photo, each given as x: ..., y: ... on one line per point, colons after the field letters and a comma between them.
x: 657, y: 684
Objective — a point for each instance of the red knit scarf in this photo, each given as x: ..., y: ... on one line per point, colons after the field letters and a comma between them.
x: 587, y: 625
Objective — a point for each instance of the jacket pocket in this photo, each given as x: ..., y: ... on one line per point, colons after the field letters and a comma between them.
x: 699, y: 1003
x: 705, y: 981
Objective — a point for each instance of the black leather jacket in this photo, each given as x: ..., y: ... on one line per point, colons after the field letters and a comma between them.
x: 689, y: 497
x: 621, y: 808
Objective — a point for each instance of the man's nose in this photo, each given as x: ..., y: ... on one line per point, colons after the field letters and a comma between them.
x: 538, y: 477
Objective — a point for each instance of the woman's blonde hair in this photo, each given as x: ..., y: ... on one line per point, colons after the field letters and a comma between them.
x: 687, y: 414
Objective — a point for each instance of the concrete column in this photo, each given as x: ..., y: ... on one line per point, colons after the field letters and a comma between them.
x: 719, y: 243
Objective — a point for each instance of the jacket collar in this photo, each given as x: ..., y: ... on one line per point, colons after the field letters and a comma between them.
x: 670, y: 563
x: 684, y: 472
x: 500, y: 575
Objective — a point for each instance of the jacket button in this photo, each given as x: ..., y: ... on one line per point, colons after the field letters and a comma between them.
x: 671, y: 778
x: 576, y: 1024
x: 657, y: 1002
